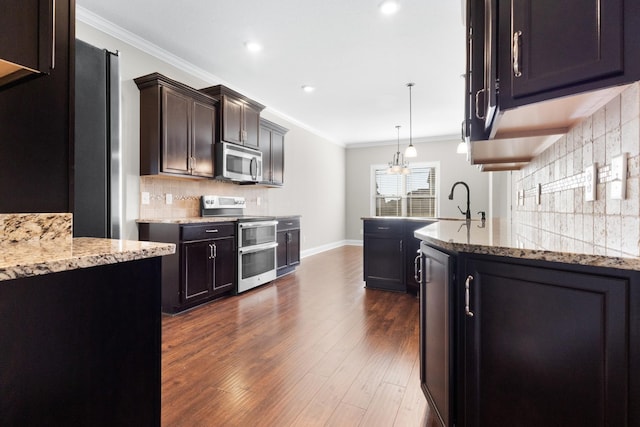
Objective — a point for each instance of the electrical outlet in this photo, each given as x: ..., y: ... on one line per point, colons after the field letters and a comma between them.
x: 146, y: 198
x: 258, y: 200
x: 619, y: 177
x: 590, y: 173
x: 169, y: 198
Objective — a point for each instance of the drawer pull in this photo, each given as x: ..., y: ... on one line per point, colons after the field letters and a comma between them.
x: 211, y: 231
x: 384, y: 228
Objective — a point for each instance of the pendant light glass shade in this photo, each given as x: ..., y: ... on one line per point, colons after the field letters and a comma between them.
x: 411, y: 150
x: 398, y: 166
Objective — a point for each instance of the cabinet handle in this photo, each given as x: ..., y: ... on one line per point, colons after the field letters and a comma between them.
x: 53, y: 35
x: 467, y: 285
x: 195, y: 162
x: 417, y: 271
x: 213, y: 251
x: 400, y: 245
x: 211, y: 231
x: 383, y: 228
x: 517, y: 72
x: 289, y: 223
x: 481, y: 117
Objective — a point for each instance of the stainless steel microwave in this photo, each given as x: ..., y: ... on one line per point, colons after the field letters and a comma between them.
x: 238, y: 163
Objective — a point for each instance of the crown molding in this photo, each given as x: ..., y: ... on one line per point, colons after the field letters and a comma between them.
x: 96, y: 21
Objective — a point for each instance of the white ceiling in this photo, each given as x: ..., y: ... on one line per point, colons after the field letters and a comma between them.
x: 358, y: 59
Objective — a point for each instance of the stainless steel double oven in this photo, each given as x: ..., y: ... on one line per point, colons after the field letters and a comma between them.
x: 255, y: 237
x: 257, y: 249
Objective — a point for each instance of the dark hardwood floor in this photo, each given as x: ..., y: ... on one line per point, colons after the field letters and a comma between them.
x: 314, y: 348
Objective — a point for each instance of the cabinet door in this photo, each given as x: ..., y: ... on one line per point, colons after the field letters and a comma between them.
x: 383, y: 262
x: 197, y: 276
x: 265, y: 149
x: 436, y: 328
x: 277, y: 158
x: 481, y: 96
x: 281, y: 251
x: 545, y: 347
x: 26, y: 36
x: 232, y: 125
x: 203, y: 131
x: 293, y: 247
x: 555, y: 44
x: 224, y: 265
x: 176, y: 131
x: 251, y: 127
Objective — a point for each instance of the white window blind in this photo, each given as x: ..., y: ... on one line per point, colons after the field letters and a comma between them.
x: 406, y: 195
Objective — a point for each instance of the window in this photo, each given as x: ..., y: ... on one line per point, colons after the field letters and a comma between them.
x: 414, y: 194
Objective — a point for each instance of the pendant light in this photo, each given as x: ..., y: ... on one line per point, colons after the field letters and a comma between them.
x: 411, y: 150
x: 398, y: 165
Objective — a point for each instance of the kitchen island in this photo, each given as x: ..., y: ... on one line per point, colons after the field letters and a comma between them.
x: 523, y: 326
x: 80, y: 327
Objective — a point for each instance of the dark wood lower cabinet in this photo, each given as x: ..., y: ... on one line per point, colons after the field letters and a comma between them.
x: 288, y: 238
x: 390, y: 250
x: 82, y: 347
x: 203, y: 267
x: 531, y: 343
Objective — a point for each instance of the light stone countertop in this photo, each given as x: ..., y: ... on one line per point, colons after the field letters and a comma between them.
x: 33, y: 244
x: 501, y: 238
x: 187, y: 220
x: 24, y: 259
x: 200, y: 219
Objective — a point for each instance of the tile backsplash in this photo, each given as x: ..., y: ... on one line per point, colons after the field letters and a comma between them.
x: 185, y: 194
x: 549, y: 193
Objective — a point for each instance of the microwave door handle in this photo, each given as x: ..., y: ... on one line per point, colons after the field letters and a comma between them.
x: 254, y: 175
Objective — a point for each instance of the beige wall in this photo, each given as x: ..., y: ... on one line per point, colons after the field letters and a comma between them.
x: 453, y: 167
x: 604, y: 226
x: 314, y: 167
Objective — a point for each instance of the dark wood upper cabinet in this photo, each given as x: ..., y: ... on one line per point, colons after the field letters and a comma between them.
x: 37, y: 119
x: 536, y: 68
x: 239, y: 117
x: 177, y: 128
x: 27, y: 40
x: 272, y: 148
x: 553, y: 46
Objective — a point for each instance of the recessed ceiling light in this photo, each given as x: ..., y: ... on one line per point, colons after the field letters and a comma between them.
x: 389, y: 7
x: 308, y: 88
x: 253, y: 46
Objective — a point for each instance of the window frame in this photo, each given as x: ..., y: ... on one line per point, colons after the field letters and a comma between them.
x: 372, y: 185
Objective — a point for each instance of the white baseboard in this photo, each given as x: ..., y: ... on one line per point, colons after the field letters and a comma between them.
x: 329, y: 246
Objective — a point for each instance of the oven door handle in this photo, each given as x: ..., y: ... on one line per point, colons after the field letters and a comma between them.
x: 257, y: 224
x: 257, y: 248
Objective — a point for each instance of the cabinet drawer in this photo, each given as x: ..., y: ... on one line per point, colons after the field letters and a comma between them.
x: 384, y: 228
x: 285, y: 224
x: 211, y: 230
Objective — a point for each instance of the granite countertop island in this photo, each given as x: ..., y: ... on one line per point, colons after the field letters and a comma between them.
x: 37, y: 244
x: 502, y: 238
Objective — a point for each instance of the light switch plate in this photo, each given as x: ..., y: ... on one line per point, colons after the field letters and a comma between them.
x: 618, y: 177
x: 590, y: 173
x: 169, y: 198
x: 145, y: 199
